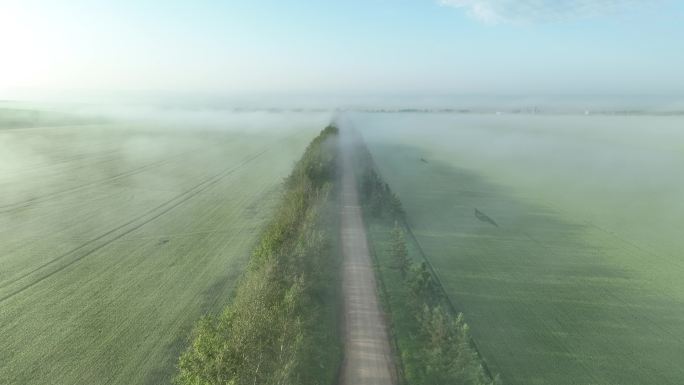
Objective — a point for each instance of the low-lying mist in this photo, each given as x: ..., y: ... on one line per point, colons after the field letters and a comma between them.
x: 618, y: 172
x: 42, y: 156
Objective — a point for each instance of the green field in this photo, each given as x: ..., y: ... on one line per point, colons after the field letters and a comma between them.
x: 580, y: 281
x: 115, y: 238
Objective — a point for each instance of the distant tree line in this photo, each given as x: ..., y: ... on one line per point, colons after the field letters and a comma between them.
x: 434, y: 343
x: 21, y: 118
x: 281, y: 327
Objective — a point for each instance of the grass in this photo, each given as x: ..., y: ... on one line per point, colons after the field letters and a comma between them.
x: 116, y: 238
x: 551, y: 299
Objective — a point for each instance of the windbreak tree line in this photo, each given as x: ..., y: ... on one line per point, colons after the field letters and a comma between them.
x: 281, y: 327
x: 434, y: 343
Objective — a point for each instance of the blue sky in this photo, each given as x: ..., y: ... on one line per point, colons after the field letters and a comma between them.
x: 612, y: 47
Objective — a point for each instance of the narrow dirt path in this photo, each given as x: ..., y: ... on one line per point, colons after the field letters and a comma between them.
x: 368, y: 358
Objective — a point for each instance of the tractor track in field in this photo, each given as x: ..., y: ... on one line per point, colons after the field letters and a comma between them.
x: 101, y: 157
x: 46, y: 197
x: 130, y: 226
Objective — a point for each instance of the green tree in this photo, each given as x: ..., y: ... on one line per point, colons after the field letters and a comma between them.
x: 424, y: 288
x: 447, y: 356
x: 395, y: 205
x: 399, y: 250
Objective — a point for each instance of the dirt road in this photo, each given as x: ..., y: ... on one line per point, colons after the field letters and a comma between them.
x: 367, y: 351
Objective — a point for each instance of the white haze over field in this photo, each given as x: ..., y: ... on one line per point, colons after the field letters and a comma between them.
x: 619, y: 172
x: 133, y: 134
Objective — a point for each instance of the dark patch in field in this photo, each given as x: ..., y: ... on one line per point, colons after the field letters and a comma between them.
x: 218, y: 294
x: 484, y: 218
x: 211, y: 300
x: 164, y: 373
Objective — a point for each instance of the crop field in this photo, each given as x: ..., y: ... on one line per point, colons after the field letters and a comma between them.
x: 116, y: 237
x: 559, y: 237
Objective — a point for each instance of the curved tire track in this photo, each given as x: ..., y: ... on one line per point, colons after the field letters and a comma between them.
x: 46, y: 197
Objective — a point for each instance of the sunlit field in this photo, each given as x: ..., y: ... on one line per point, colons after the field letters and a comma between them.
x: 116, y: 237
x: 570, y: 270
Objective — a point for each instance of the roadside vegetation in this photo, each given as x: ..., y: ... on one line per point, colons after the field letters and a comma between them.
x: 281, y: 327
x: 431, y: 337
